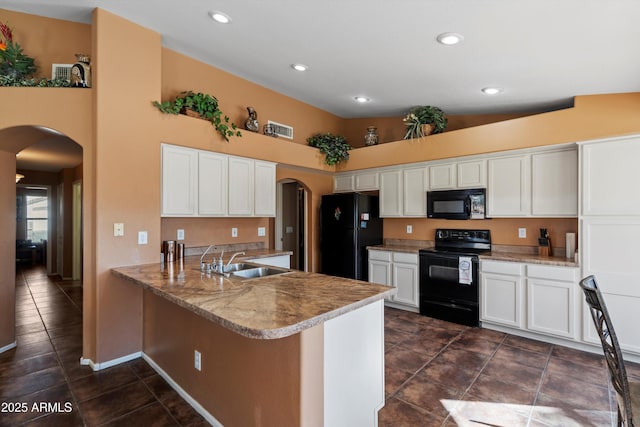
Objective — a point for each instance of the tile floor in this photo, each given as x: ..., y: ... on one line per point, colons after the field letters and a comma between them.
x: 443, y: 374
x: 44, y: 369
x: 437, y: 374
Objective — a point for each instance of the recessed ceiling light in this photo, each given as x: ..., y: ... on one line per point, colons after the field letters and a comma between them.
x: 491, y: 90
x: 362, y: 99
x: 449, y: 38
x: 299, y: 67
x: 220, y: 17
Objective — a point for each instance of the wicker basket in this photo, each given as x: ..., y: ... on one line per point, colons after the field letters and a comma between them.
x: 427, y: 129
x: 189, y: 112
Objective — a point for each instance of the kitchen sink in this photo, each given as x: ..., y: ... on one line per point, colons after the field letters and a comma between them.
x: 237, y: 267
x: 258, y: 272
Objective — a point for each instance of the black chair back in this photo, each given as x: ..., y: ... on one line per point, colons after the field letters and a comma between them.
x: 610, y: 347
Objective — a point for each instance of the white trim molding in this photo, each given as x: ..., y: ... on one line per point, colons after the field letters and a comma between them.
x: 8, y: 347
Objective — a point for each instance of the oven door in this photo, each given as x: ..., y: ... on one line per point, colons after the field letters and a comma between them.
x: 441, y: 293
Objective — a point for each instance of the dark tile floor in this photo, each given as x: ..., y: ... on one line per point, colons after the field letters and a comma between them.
x: 443, y: 374
x: 437, y: 374
x: 44, y: 369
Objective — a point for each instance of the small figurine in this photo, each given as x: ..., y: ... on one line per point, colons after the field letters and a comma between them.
x: 251, y: 124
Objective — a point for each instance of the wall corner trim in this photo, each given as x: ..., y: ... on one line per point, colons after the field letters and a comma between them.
x: 190, y: 400
x: 8, y: 346
x: 109, y: 363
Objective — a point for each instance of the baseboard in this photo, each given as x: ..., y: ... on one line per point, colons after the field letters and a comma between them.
x: 190, y: 400
x: 8, y: 347
x: 109, y: 363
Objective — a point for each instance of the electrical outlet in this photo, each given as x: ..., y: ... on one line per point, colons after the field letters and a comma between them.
x: 409, y: 229
x: 234, y: 232
x: 197, y: 360
x: 118, y: 229
x: 142, y: 238
x: 262, y: 231
x: 180, y: 234
x: 522, y: 233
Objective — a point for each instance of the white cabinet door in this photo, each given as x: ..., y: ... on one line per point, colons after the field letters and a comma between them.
x: 405, y: 279
x: 343, y: 183
x: 380, y: 269
x: 472, y: 174
x: 241, y: 186
x: 179, y: 181
x: 391, y: 193
x: 367, y: 181
x: 212, y: 183
x: 508, y: 186
x: 442, y: 177
x: 501, y: 299
x: 265, y: 189
x: 550, y: 307
x: 554, y: 184
x: 610, y: 177
x: 414, y: 193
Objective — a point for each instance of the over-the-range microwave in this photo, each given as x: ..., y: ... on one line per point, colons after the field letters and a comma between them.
x: 456, y: 204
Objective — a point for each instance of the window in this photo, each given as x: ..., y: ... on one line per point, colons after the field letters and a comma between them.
x: 37, y: 218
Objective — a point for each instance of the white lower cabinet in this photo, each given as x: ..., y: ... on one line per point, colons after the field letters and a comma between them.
x: 501, y: 293
x: 533, y: 297
x: 400, y: 270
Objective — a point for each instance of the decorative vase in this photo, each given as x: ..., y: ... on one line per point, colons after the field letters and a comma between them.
x: 81, y: 71
x: 252, y: 124
x: 427, y: 129
x: 371, y: 138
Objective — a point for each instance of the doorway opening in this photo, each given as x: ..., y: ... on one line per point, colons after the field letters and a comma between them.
x: 291, y: 222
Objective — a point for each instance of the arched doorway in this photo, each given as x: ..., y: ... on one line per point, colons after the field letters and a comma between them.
x: 291, y: 225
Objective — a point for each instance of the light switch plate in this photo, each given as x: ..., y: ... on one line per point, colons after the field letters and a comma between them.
x: 262, y: 231
x: 234, y: 232
x: 180, y: 234
x: 522, y: 233
x: 142, y: 238
x: 118, y: 229
x: 409, y: 229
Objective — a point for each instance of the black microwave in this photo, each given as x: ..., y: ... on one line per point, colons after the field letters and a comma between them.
x: 456, y: 204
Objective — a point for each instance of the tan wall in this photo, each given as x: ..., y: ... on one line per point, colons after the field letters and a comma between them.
x: 215, y: 231
x: 7, y: 248
x: 243, y: 382
x: 48, y: 41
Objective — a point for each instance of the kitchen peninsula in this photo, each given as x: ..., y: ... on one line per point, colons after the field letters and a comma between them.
x: 294, y: 348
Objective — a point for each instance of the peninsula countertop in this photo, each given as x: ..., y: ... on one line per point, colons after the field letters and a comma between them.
x: 268, y: 307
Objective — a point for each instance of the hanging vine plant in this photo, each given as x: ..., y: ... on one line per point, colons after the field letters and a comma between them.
x: 201, y: 105
x: 334, y: 147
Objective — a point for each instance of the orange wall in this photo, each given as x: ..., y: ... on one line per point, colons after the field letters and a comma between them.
x: 7, y: 248
x: 214, y: 231
x: 48, y: 41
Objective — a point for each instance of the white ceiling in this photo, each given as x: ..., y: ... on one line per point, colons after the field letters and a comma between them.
x: 542, y: 53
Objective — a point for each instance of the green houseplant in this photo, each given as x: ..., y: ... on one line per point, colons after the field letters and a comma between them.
x: 202, y: 105
x: 13, y: 62
x: 334, y: 147
x: 418, y: 117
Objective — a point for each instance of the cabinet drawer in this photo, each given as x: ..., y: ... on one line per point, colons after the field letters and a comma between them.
x: 405, y: 257
x: 380, y: 255
x: 565, y: 274
x: 513, y: 268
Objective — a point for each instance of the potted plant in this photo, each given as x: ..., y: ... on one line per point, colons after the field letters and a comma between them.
x: 202, y: 105
x: 14, y: 64
x: 424, y: 120
x: 334, y: 147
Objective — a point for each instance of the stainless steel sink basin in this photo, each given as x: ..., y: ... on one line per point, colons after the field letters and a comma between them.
x: 258, y: 272
x: 237, y: 267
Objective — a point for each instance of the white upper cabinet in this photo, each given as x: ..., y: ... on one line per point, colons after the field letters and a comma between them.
x: 343, y: 183
x: 413, y: 192
x: 265, y: 189
x: 179, y: 180
x: 442, y: 177
x: 509, y: 186
x: 205, y: 183
x: 366, y: 181
x: 391, y: 193
x: 472, y: 174
x: 356, y: 181
x: 212, y: 183
x: 241, y: 191
x: 554, y: 184
x: 610, y: 176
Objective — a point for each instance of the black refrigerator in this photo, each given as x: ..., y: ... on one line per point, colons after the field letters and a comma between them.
x: 349, y: 222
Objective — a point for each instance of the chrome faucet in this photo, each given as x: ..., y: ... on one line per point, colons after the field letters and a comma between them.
x: 203, y: 265
x: 226, y: 267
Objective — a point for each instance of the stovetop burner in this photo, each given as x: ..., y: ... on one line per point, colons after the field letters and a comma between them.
x: 462, y: 241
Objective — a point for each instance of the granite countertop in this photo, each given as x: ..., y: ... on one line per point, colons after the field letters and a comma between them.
x: 524, y: 254
x: 265, y: 308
